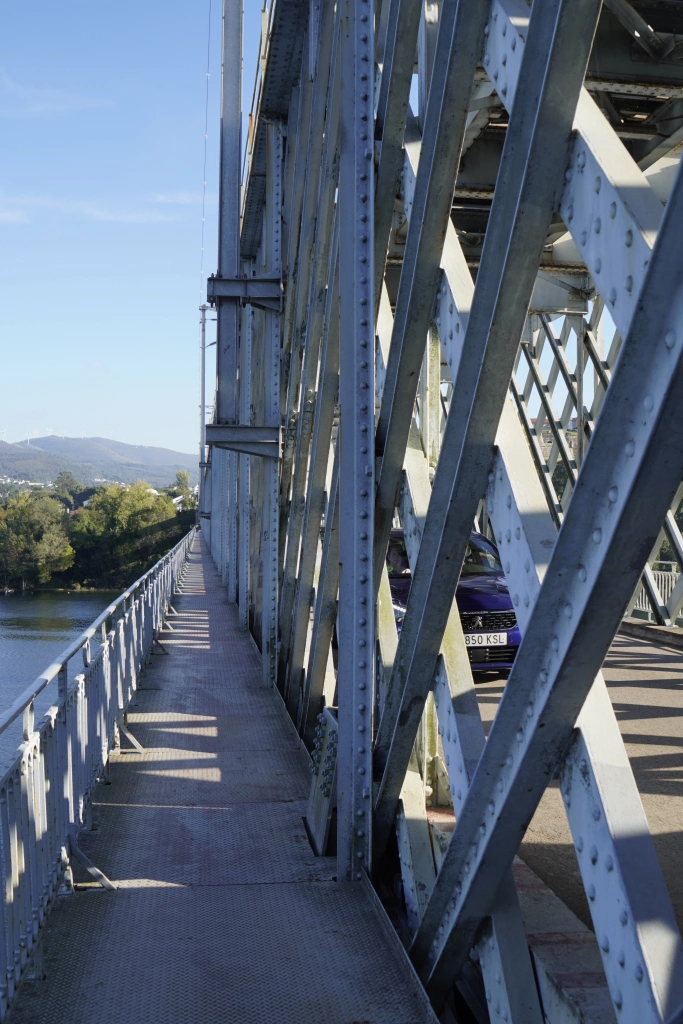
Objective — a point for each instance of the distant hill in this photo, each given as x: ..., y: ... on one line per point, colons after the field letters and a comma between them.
x: 91, y: 459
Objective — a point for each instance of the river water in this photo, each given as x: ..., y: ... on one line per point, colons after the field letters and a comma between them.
x: 34, y: 629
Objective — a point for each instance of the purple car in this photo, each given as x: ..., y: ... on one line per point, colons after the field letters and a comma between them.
x: 488, y: 618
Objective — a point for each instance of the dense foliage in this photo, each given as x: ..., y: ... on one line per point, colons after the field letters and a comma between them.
x: 34, y: 539
x: 121, y: 532
x: 103, y: 537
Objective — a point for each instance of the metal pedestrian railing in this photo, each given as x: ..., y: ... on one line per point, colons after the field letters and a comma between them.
x: 46, y: 792
x: 666, y: 583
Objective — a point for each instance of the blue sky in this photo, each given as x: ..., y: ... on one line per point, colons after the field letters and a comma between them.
x: 102, y: 122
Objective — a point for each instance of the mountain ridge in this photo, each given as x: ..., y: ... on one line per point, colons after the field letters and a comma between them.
x: 91, y: 459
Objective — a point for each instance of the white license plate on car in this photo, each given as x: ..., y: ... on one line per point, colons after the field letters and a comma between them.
x: 486, y: 639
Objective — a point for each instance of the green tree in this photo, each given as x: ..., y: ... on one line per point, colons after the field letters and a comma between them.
x: 66, y: 488
x: 34, y: 541
x: 182, y: 482
x: 182, y: 489
x: 122, y: 532
x: 67, y: 484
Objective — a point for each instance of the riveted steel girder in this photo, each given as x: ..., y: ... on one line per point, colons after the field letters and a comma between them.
x: 462, y: 315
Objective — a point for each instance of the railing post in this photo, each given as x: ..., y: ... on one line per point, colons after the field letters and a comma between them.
x: 6, y: 958
x: 64, y: 774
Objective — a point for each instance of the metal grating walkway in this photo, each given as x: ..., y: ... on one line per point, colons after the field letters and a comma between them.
x: 222, y: 911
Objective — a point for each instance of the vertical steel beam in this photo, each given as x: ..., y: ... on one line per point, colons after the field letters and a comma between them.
x: 314, y: 249
x: 212, y: 502
x: 271, y: 410
x: 356, y: 464
x: 218, y: 508
x: 229, y: 210
x: 325, y: 610
x: 326, y: 399
x: 222, y: 502
x: 224, y: 499
x: 390, y: 120
x: 244, y: 482
x: 208, y: 486
x: 298, y: 146
x: 293, y: 117
x: 233, y: 524
x: 426, y: 46
x: 228, y: 311
x: 202, y: 405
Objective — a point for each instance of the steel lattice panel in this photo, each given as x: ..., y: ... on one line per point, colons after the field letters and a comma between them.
x: 513, y: 228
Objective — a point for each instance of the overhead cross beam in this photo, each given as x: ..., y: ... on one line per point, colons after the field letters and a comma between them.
x: 263, y: 292
x: 264, y: 441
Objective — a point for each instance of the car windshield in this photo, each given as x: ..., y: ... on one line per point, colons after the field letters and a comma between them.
x: 481, y: 559
x: 397, y: 559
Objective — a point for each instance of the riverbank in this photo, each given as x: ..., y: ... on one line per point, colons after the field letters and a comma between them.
x: 75, y: 589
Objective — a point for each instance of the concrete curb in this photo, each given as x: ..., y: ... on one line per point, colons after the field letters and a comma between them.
x: 667, y: 636
x: 567, y: 962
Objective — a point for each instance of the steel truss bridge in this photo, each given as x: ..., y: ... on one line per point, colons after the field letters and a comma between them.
x: 450, y: 290
x: 449, y: 293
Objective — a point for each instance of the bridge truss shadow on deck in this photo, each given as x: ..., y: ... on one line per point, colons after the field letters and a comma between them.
x: 222, y: 911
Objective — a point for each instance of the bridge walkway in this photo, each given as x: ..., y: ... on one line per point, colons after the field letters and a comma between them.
x: 222, y: 911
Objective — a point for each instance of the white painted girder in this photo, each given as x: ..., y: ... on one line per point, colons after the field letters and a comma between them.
x: 623, y: 483
x: 638, y: 937
x: 532, y: 164
x: 611, y: 209
x: 312, y: 274
x: 325, y: 403
x: 509, y: 979
x: 527, y: 574
x: 272, y: 260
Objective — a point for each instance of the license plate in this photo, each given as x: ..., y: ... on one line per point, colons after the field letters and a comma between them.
x: 486, y: 639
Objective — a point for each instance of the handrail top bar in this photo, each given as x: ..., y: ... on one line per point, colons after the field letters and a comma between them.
x: 46, y: 677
